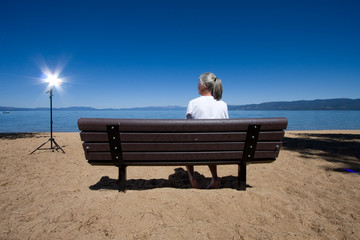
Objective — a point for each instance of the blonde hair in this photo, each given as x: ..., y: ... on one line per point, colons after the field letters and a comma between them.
x: 213, y: 84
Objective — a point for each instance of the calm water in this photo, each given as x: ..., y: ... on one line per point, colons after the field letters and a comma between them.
x: 66, y: 121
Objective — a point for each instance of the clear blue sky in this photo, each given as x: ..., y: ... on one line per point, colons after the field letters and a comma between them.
x: 118, y: 54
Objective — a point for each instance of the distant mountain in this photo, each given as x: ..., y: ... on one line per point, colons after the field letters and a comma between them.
x: 319, y: 104
x: 46, y: 109
x: 155, y: 108
x: 8, y: 109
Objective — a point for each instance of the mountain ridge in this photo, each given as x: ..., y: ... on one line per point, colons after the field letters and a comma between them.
x: 317, y: 104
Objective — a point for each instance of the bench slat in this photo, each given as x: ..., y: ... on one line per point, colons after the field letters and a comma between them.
x: 161, y: 163
x: 176, y: 163
x: 180, y: 137
x: 168, y: 147
x: 166, y: 137
x: 179, y: 156
x: 181, y: 125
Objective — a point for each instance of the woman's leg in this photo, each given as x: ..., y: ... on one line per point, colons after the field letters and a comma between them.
x: 215, y: 181
x: 190, y: 170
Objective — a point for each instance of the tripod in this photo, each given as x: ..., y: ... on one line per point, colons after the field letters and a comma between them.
x: 52, y: 141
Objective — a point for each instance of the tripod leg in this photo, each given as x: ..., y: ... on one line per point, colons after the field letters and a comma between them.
x: 57, y: 146
x: 40, y: 146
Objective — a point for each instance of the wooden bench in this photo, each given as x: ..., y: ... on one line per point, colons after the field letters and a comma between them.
x: 172, y: 142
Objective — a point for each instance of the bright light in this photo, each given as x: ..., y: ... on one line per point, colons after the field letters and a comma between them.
x: 52, y: 77
x: 53, y: 80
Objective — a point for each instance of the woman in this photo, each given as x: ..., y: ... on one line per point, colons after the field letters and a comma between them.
x: 208, y: 106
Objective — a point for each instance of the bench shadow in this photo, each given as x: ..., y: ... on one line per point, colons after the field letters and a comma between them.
x: 20, y: 135
x: 342, y: 148
x: 179, y: 179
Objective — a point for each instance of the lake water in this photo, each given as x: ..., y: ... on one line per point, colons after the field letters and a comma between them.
x: 66, y: 121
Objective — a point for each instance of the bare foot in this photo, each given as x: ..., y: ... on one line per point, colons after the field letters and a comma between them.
x: 194, y: 183
x: 215, y: 183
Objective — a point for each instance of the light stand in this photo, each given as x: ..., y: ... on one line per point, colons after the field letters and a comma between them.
x: 51, y: 139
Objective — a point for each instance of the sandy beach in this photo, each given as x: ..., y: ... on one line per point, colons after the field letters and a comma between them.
x: 312, y: 191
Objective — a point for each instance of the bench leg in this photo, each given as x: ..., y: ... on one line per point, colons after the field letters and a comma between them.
x: 122, y: 178
x: 241, y: 177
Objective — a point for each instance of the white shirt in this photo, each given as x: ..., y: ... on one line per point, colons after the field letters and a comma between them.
x: 206, y: 107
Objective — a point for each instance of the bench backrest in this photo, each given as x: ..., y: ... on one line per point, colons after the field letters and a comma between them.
x: 179, y: 142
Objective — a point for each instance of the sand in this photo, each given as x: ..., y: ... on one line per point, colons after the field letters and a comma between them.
x: 309, y: 192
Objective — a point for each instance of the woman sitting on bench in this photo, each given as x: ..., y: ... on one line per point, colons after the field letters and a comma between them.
x: 208, y: 106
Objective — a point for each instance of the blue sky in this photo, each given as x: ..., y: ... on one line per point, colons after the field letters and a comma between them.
x: 118, y: 54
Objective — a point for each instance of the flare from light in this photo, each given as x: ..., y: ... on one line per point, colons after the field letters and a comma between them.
x: 53, y: 80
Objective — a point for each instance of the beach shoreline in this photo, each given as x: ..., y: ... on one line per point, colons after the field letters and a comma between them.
x: 311, y: 191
